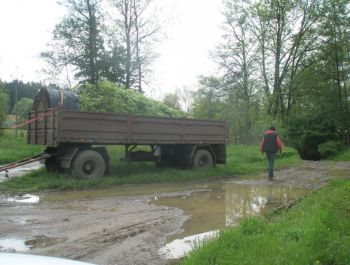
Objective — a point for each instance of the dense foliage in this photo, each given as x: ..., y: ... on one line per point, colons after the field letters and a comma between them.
x: 106, y: 96
x: 284, y: 63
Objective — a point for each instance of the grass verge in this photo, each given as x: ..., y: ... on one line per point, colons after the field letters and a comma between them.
x: 14, y: 148
x: 343, y: 155
x: 315, y: 231
x: 240, y: 160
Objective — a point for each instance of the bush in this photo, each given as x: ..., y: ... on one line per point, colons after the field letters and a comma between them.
x: 107, y: 97
x: 330, y: 148
x: 307, y: 132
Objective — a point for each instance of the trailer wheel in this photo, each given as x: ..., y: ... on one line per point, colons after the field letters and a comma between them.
x: 88, y: 164
x: 202, y: 158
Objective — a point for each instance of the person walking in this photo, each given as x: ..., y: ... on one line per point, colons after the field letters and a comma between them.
x: 271, y: 144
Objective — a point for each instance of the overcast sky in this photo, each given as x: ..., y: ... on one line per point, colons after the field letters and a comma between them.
x: 191, y: 32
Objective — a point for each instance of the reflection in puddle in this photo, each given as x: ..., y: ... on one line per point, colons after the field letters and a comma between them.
x: 26, y: 198
x: 225, y: 205
x: 179, y: 247
x: 13, y: 244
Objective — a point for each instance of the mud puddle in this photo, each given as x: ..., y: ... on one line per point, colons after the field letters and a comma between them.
x: 223, y: 205
x: 13, y: 245
x: 20, y: 171
x: 24, y: 245
x: 144, y: 193
x: 27, y: 199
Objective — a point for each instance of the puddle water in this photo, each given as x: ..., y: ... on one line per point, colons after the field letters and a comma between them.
x: 179, y: 247
x: 123, y: 190
x: 25, y: 198
x: 211, y: 207
x: 13, y: 245
x: 22, y: 245
x: 20, y: 171
x: 224, y: 205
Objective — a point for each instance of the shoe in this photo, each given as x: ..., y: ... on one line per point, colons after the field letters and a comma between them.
x: 271, y: 178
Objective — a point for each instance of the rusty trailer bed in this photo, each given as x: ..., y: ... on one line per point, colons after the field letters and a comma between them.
x: 52, y: 127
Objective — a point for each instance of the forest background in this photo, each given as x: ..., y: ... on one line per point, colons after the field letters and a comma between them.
x: 281, y: 62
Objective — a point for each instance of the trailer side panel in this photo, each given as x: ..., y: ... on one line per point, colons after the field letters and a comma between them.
x: 111, y: 128
x: 68, y: 126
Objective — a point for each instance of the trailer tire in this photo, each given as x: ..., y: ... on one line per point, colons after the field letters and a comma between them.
x: 88, y: 164
x: 202, y: 158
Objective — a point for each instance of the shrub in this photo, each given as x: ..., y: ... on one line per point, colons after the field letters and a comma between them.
x: 107, y: 97
x: 306, y: 132
x: 330, y: 148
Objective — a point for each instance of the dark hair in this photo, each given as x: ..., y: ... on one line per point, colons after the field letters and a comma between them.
x: 272, y: 128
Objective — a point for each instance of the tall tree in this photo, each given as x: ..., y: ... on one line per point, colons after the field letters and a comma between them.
x: 335, y: 55
x: 237, y: 58
x: 207, y: 104
x: 285, y: 31
x: 78, y: 42
x: 137, y: 30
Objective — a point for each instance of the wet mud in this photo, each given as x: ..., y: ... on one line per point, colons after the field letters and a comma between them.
x: 20, y: 171
x: 144, y: 224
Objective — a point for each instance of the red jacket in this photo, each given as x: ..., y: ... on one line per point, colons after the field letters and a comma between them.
x: 271, y: 142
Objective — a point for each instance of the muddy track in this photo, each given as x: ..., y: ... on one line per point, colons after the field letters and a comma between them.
x: 309, y: 175
x: 114, y: 230
x: 124, y: 230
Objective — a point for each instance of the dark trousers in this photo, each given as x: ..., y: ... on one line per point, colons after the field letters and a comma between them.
x: 271, y: 158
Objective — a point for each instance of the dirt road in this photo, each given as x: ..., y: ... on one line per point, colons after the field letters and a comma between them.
x: 119, y: 229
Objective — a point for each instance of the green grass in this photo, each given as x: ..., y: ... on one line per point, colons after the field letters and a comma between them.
x: 14, y: 148
x: 246, y: 160
x: 315, y: 231
x: 343, y: 155
x: 241, y: 160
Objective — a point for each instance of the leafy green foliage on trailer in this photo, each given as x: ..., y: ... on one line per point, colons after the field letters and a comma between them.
x: 108, y: 97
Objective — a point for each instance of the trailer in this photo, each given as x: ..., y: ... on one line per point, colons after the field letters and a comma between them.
x: 76, y: 141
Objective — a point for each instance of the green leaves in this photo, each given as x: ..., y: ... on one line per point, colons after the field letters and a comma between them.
x: 22, y: 107
x: 107, y: 97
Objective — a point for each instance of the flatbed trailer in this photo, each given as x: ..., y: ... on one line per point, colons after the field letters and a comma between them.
x: 76, y: 140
